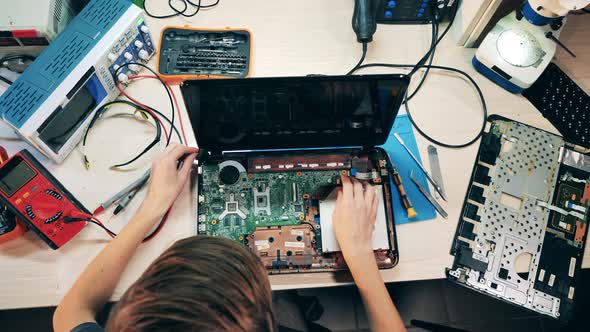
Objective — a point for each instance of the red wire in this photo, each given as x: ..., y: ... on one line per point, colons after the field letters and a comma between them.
x: 179, y: 115
x: 144, y: 106
x: 160, y: 226
x: 151, y: 236
x: 165, y: 219
x: 173, y: 97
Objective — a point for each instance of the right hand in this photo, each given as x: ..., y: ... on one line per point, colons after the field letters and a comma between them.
x: 166, y: 179
x: 354, y: 219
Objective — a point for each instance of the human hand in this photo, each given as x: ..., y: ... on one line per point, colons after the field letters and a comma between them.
x: 167, y: 179
x: 354, y: 219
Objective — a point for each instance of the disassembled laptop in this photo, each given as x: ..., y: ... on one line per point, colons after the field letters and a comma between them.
x: 278, y: 147
x: 524, y: 222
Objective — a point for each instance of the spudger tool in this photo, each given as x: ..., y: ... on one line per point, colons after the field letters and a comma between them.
x: 430, y: 179
x: 435, y: 168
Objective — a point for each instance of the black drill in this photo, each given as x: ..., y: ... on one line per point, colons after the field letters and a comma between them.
x: 364, y: 20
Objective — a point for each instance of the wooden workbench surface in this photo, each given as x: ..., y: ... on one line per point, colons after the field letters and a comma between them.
x: 289, y: 38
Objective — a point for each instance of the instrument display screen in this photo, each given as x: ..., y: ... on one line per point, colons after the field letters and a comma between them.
x: 62, y: 124
x: 15, y: 175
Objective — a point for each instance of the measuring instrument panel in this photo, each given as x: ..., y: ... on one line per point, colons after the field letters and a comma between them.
x: 53, y: 102
x: 10, y: 227
x: 412, y: 11
x: 37, y: 198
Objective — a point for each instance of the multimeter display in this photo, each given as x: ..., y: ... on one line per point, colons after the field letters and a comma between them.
x: 39, y: 200
x: 15, y: 175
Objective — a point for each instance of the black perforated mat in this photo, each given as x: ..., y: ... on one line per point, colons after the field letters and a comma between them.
x: 563, y: 103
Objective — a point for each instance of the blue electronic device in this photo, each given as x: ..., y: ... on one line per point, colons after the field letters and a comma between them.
x: 52, y: 103
x: 411, y: 11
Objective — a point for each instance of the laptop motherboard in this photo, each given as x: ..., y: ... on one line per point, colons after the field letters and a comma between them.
x: 272, y: 205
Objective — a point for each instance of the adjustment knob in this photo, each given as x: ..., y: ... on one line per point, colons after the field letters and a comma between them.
x: 128, y: 56
x: 122, y: 77
x: 134, y: 68
x: 138, y: 44
x: 112, y: 57
x: 29, y: 211
x: 144, y: 55
x: 47, y: 205
x: 144, y: 29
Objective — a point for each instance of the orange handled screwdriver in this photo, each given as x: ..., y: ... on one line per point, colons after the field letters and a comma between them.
x: 397, y: 179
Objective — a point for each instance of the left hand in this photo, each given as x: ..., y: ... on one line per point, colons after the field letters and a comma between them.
x: 167, y: 180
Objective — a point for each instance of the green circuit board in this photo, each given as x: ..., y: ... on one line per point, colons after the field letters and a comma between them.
x: 572, y: 227
x: 566, y: 192
x: 259, y: 200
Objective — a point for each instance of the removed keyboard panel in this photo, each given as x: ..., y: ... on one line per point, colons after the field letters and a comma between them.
x: 196, y: 53
x: 516, y: 239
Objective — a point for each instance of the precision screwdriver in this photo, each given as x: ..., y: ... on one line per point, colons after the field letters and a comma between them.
x: 397, y: 179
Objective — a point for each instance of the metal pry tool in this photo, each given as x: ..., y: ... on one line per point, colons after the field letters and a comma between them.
x: 429, y: 197
x: 436, y: 186
x: 435, y: 168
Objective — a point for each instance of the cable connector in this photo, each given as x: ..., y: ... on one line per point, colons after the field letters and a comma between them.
x: 76, y: 216
x: 86, y: 162
x: 69, y: 220
x: 142, y: 113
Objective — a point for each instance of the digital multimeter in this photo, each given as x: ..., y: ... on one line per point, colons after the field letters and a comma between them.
x: 39, y: 199
x: 10, y: 227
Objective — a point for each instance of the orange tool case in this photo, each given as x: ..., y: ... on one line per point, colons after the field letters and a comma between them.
x: 189, y: 53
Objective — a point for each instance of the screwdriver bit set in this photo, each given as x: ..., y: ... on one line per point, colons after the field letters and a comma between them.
x: 187, y: 53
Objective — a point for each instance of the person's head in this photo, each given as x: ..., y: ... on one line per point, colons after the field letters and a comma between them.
x: 201, y: 283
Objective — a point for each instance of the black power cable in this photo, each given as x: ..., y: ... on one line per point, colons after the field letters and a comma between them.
x: 6, y: 80
x: 172, y: 128
x: 16, y: 57
x: 458, y: 71
x: 439, y: 39
x: 68, y: 220
x: 176, y: 131
x: 429, y: 56
x: 13, y: 57
x: 431, y: 53
x: 101, y: 111
x: 355, y: 68
x: 116, y: 73
x: 181, y: 11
